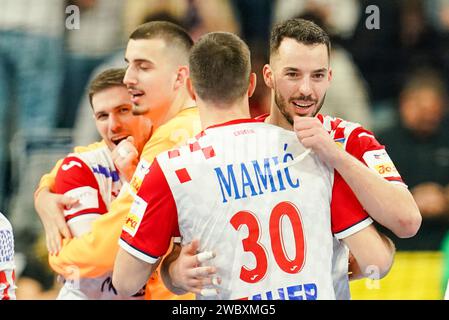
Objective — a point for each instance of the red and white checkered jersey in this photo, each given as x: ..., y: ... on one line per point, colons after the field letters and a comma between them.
x: 362, y: 144
x: 90, y: 177
x: 270, y: 226
x: 7, y: 266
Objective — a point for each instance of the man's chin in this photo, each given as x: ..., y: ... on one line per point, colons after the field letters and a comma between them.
x: 139, y: 110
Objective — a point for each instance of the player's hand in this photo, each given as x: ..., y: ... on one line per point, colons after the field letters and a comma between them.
x: 187, y: 273
x: 313, y: 135
x: 126, y: 158
x: 354, y: 271
x: 50, y: 207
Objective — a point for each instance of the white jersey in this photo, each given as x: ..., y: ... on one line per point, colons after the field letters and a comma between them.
x: 7, y: 266
x: 271, y: 227
x: 92, y: 178
x: 362, y: 144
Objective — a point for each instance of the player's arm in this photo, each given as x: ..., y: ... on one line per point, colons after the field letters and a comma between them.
x: 94, y: 253
x: 373, y: 253
x: 392, y: 205
x: 130, y: 273
x: 49, y: 206
x: 77, y: 181
x: 146, y: 234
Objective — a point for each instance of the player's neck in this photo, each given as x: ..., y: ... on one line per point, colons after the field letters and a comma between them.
x: 277, y: 118
x: 213, y: 114
x: 182, y: 101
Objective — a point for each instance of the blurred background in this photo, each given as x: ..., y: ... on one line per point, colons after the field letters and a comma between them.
x: 391, y: 75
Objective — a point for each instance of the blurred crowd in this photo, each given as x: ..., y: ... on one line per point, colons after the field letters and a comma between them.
x: 392, y: 80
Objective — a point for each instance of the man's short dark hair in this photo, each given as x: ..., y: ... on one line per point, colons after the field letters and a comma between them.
x: 171, y: 33
x: 105, y: 80
x: 301, y: 30
x: 220, y: 67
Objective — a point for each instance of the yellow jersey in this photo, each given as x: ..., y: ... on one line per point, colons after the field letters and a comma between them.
x: 93, y: 254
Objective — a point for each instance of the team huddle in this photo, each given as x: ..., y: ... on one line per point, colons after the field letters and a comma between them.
x: 188, y: 196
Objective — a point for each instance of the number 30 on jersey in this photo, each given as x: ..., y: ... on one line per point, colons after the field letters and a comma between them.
x: 252, y: 244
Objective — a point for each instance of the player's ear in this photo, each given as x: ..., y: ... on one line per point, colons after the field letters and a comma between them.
x: 268, y: 76
x: 181, y: 76
x: 190, y: 89
x: 252, y: 84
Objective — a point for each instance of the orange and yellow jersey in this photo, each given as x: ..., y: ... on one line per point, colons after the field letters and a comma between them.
x: 94, y: 253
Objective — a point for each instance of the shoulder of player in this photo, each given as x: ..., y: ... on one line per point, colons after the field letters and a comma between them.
x: 342, y: 129
x: 186, y: 120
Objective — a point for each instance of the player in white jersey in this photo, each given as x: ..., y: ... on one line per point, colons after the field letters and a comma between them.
x: 270, y: 224
x: 92, y: 178
x: 7, y: 266
x: 299, y: 74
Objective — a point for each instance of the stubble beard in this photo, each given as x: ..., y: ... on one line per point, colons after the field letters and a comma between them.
x: 282, y: 106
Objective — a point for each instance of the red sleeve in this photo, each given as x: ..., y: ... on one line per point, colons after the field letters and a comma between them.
x: 348, y: 215
x: 152, y: 220
x: 76, y: 179
x: 364, y: 146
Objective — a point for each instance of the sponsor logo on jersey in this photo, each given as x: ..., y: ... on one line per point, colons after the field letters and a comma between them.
x: 379, y: 161
x: 71, y: 164
x: 387, y: 169
x: 87, y: 196
x: 135, y: 215
x: 142, y: 170
x: 307, y: 291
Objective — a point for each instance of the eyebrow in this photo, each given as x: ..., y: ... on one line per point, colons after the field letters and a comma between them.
x: 296, y: 70
x: 139, y: 61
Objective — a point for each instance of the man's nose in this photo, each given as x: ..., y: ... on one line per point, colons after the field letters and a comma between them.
x: 130, y: 76
x: 114, y: 123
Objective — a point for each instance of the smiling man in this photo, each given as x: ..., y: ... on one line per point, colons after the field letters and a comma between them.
x: 92, y: 178
x: 157, y: 56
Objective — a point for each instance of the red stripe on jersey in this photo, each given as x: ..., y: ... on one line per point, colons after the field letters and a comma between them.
x: 80, y: 213
x: 183, y: 175
x: 262, y: 117
x: 160, y: 220
x: 346, y: 210
x: 74, y: 177
x: 4, y: 295
x: 397, y: 179
x: 209, y: 152
x: 173, y: 154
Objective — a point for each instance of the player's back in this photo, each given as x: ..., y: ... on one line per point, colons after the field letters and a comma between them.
x: 269, y: 226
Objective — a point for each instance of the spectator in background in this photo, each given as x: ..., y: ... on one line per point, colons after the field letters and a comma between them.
x: 31, y: 44
x: 196, y: 16
x: 419, y: 146
x: 100, y: 35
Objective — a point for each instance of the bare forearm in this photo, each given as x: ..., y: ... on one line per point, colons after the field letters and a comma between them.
x: 130, y: 273
x: 391, y: 205
x: 166, y: 268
